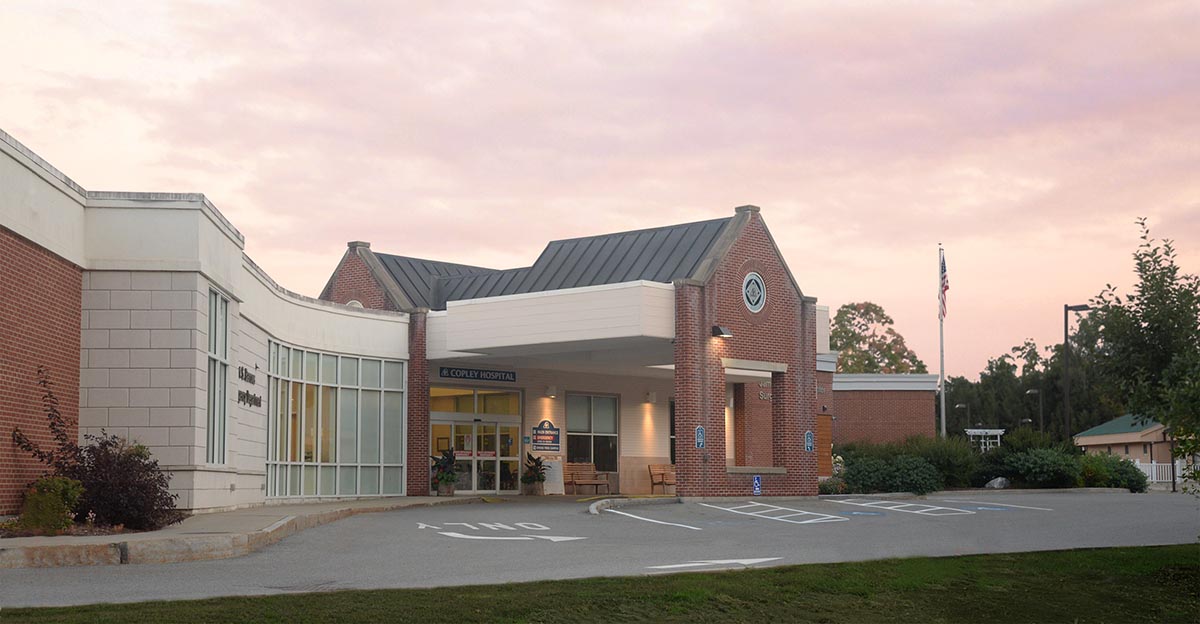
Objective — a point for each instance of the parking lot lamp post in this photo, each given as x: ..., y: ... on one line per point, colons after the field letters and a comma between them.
x: 968, y: 408
x: 1041, y: 422
x: 1083, y: 307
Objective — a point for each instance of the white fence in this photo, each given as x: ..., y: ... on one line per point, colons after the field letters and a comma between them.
x: 1160, y: 472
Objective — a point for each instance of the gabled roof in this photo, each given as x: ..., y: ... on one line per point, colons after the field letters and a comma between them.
x: 660, y: 254
x: 416, y: 276
x: 1128, y: 423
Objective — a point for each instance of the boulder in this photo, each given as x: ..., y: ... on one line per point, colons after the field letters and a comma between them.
x: 999, y: 483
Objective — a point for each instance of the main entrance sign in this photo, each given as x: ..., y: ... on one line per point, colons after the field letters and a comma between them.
x: 754, y: 292
x: 546, y: 437
x: 477, y: 374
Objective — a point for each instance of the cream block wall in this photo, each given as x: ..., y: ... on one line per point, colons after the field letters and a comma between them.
x: 143, y: 364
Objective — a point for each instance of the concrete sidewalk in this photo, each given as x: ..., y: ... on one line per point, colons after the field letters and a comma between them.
x: 205, y: 536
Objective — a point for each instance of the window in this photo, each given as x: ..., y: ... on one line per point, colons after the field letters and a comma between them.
x: 592, y: 430
x: 1127, y: 450
x: 337, y: 424
x: 218, y: 373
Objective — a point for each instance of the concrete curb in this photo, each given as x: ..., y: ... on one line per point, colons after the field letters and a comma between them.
x: 148, y: 548
x: 612, y: 503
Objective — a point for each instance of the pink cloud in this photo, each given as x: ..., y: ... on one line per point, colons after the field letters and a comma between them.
x: 1024, y: 138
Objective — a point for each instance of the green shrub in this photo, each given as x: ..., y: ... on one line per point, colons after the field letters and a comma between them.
x: 992, y: 464
x: 868, y: 474
x: 1043, y: 468
x: 954, y: 458
x: 1110, y: 471
x: 916, y: 475
x: 122, y: 484
x: 832, y: 485
x: 49, y: 503
x: 1096, y: 470
x: 905, y: 473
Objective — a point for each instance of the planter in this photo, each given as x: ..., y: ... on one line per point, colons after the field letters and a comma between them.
x: 537, y: 488
x: 445, y: 489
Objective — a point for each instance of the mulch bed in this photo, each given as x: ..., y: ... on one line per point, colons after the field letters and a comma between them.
x: 11, y: 529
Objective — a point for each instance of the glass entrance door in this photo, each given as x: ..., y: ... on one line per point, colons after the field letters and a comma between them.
x: 487, y: 454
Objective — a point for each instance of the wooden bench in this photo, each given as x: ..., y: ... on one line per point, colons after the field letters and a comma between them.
x: 584, y: 474
x: 662, y: 475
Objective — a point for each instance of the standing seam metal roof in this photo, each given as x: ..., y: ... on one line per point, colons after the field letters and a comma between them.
x: 416, y: 277
x: 660, y: 254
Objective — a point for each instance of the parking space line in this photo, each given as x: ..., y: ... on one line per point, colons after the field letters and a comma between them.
x: 623, y: 513
x: 926, y: 510
x: 818, y: 517
x: 996, y: 504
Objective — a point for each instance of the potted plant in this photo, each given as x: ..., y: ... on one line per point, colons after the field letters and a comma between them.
x: 444, y: 474
x: 533, y: 477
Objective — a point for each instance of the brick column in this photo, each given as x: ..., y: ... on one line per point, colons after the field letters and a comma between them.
x: 689, y: 391
x: 417, y: 467
x: 805, y: 478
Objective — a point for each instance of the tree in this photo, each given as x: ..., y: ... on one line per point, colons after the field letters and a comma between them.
x: 1150, y: 342
x: 863, y: 336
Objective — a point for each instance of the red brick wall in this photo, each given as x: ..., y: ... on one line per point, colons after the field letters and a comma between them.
x: 40, y: 303
x: 752, y: 438
x: 352, y: 280
x: 783, y: 332
x: 418, y: 408
x: 882, y: 415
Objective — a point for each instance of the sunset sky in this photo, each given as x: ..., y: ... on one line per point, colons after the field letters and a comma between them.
x: 1024, y: 136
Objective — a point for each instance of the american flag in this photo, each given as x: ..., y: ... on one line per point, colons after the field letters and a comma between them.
x: 945, y: 286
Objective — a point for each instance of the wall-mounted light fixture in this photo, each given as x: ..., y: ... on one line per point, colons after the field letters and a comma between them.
x: 652, y: 397
x: 721, y: 332
x: 551, y: 392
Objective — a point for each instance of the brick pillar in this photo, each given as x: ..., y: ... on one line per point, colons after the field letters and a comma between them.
x: 805, y: 389
x: 418, y: 407
x: 699, y: 396
x: 689, y: 391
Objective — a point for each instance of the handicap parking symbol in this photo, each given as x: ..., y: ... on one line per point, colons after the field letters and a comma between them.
x: 757, y: 485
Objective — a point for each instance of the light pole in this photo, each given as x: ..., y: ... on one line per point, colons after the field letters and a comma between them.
x: 1083, y: 307
x: 968, y: 408
x: 1041, y: 422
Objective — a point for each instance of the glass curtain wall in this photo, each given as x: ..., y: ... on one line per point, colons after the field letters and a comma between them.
x: 335, y: 424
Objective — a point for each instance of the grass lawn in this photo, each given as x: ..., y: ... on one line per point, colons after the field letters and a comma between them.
x: 1119, y: 585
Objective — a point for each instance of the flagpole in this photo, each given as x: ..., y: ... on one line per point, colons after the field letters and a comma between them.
x: 941, y: 340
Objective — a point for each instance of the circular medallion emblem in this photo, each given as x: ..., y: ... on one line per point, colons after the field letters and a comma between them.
x: 754, y: 292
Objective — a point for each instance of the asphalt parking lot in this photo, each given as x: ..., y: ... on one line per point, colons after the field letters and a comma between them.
x: 554, y: 538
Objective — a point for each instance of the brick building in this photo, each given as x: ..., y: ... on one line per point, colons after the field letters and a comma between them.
x: 690, y: 344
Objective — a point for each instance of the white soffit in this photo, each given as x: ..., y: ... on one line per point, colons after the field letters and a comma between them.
x: 878, y: 381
